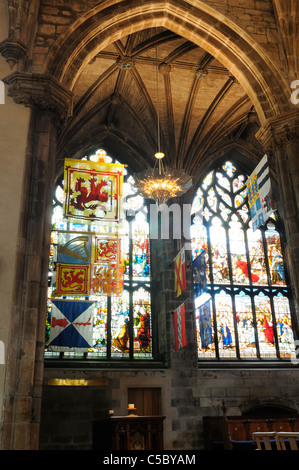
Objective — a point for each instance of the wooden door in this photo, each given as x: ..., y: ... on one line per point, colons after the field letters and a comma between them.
x: 146, y: 400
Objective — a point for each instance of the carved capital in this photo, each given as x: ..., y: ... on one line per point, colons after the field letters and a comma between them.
x: 278, y: 131
x: 42, y: 92
x: 12, y: 51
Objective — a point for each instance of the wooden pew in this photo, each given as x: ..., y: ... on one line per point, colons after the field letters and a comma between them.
x: 235, y: 432
x: 265, y: 440
x: 287, y: 440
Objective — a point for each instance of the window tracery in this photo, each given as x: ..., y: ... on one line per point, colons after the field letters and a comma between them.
x: 122, y: 324
x: 242, y: 298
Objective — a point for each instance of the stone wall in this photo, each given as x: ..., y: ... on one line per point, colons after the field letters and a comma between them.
x: 255, y: 17
x: 14, y: 122
x: 68, y: 411
x: 189, y: 392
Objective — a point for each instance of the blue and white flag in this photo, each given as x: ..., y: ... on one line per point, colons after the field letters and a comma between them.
x: 259, y: 194
x: 71, y: 325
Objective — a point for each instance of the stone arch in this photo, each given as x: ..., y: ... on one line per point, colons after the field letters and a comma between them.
x: 198, y: 22
x: 275, y: 407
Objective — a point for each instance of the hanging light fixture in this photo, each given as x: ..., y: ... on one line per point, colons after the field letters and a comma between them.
x: 161, y: 183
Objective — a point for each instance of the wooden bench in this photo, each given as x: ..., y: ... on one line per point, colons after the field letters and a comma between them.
x: 276, y: 440
x: 235, y: 432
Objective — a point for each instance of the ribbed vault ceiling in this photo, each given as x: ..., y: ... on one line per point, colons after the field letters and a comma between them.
x: 151, y: 78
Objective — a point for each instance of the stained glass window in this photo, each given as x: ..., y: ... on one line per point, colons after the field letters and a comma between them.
x: 242, y: 298
x: 122, y: 324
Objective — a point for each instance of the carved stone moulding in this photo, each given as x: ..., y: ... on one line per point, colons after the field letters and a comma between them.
x: 41, y: 91
x: 12, y: 51
x: 279, y: 131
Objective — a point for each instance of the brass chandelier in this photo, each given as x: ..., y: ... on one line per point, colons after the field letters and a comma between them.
x: 162, y: 183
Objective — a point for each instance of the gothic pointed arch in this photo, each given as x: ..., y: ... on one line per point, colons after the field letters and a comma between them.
x: 217, y: 34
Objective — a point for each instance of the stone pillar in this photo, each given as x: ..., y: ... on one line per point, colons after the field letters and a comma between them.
x: 50, y: 104
x: 279, y: 137
x: 182, y: 363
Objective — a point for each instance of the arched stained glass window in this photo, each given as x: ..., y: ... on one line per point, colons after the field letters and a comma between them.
x: 242, y: 299
x: 122, y: 324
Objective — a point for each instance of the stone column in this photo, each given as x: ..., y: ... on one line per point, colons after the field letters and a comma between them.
x: 182, y: 363
x: 279, y: 137
x: 50, y: 104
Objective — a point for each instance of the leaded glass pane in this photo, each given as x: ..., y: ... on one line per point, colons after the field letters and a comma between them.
x: 218, y: 241
x: 120, y: 320
x: 122, y: 325
x: 238, y: 254
x: 140, y: 247
x: 265, y: 328
x: 245, y: 325
x: 257, y: 257
x: 225, y: 325
x: 276, y: 265
x: 205, y: 327
x: 284, y: 326
x: 142, y: 323
x: 100, y: 327
x: 239, y: 275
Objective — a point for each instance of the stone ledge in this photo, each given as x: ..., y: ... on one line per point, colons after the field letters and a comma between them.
x: 40, y: 91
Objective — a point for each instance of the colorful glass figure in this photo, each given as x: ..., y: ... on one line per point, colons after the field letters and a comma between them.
x: 118, y: 259
x: 243, y: 308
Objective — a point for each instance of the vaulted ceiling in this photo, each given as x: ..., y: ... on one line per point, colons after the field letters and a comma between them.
x: 156, y: 79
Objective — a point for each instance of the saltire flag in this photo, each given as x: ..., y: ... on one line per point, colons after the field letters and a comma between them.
x: 205, y: 324
x: 93, y: 191
x: 72, y: 279
x: 179, y: 328
x: 71, y: 325
x: 74, y: 248
x: 199, y: 274
x: 179, y: 274
x: 259, y: 194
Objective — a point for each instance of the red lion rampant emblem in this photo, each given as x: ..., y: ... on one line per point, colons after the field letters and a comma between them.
x: 94, y: 193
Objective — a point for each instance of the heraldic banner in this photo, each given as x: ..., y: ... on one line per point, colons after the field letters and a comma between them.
x: 71, y: 325
x: 259, y: 194
x: 107, y: 279
x: 179, y: 328
x: 93, y: 191
x: 74, y: 247
x: 73, y: 279
x: 179, y: 274
x: 107, y: 273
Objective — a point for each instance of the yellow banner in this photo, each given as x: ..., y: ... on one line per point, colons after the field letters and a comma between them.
x: 93, y: 191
